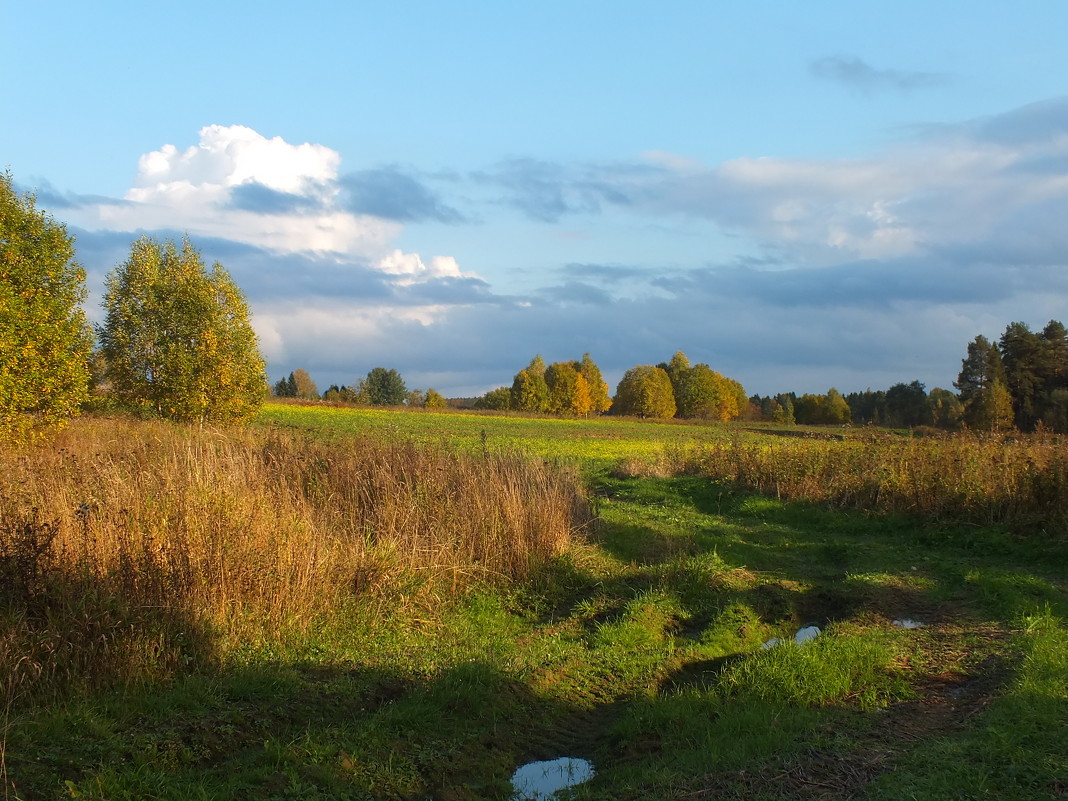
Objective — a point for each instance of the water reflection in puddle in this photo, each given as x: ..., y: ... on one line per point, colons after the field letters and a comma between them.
x: 905, y: 623
x: 540, y: 780
x: 803, y: 635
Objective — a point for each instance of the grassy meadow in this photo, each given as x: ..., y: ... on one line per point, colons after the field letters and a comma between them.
x: 370, y: 604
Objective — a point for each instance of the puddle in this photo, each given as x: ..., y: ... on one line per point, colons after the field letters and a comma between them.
x: 540, y: 780
x: 803, y: 635
x: 905, y: 623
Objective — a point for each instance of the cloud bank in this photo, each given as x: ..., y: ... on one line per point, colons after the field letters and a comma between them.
x: 847, y: 272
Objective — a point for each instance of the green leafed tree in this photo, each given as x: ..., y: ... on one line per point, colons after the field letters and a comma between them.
x: 645, y: 391
x: 678, y: 370
x: 701, y: 392
x: 945, y: 409
x: 499, y: 399
x: 45, y: 340
x: 906, y: 406
x: 385, y: 387
x: 530, y: 392
x: 829, y: 409
x: 177, y: 337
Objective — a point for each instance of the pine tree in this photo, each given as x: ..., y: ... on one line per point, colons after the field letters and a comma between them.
x: 1021, y: 352
x: 982, y: 387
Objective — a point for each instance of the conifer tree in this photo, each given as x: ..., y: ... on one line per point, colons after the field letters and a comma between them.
x: 982, y: 387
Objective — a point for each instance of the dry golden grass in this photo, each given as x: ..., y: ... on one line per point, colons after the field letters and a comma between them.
x: 1019, y: 480
x: 132, y: 549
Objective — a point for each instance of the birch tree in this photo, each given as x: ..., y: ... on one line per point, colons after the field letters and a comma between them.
x: 177, y: 337
x: 44, y: 337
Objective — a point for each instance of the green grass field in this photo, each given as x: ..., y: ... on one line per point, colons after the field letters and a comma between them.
x: 593, y: 443
x: 639, y: 648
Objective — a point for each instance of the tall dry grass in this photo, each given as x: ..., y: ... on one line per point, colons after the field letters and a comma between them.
x: 134, y: 549
x: 1019, y: 480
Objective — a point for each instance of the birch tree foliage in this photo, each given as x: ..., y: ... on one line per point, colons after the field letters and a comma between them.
x: 569, y: 393
x: 599, y: 399
x: 45, y: 340
x: 645, y: 391
x: 530, y: 392
x: 177, y: 337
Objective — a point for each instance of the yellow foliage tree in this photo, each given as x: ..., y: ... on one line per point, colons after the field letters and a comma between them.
x: 177, y: 338
x: 45, y: 340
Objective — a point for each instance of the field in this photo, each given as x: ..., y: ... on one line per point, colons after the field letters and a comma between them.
x: 376, y: 604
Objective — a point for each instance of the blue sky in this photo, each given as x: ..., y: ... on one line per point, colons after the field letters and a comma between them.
x: 802, y: 196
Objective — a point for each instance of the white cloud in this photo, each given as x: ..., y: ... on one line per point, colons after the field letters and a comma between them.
x: 949, y: 190
x: 228, y: 156
x: 410, y: 267
x: 193, y: 190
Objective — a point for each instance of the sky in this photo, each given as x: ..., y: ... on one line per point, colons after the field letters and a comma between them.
x: 802, y: 196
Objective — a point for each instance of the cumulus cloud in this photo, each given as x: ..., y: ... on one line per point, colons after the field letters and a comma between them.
x: 239, y: 185
x: 229, y: 156
x: 858, y: 74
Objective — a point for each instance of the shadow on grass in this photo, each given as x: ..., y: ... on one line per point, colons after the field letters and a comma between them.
x: 282, y: 732
x: 694, y: 574
x: 813, y: 564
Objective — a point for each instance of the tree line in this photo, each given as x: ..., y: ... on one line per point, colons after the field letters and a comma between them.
x: 380, y: 387
x: 1019, y: 382
x: 669, y: 389
x: 569, y: 388
x: 176, y: 338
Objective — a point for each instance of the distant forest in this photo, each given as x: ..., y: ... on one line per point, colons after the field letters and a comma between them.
x: 1020, y: 381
